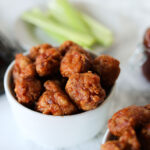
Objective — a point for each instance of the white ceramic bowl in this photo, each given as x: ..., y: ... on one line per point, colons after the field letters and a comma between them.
x: 56, y: 131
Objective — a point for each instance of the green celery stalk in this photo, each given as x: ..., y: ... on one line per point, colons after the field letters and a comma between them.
x: 38, y: 19
x: 58, y: 37
x: 68, y: 15
x: 62, y: 11
x: 103, y: 35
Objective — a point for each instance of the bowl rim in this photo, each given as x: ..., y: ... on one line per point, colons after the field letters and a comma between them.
x: 106, y: 136
x: 7, y: 89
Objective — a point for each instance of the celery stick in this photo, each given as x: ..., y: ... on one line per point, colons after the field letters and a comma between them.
x: 102, y: 34
x: 38, y: 19
x: 62, y: 11
x: 58, y: 37
x: 68, y: 15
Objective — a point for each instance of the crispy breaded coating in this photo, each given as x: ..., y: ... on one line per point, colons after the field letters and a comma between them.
x: 124, y: 125
x: 27, y: 87
x: 145, y: 137
x: 23, y: 67
x: 54, y: 101
x: 53, y: 86
x: 113, y: 145
x: 68, y: 45
x: 127, y: 118
x: 108, y: 69
x: 75, y: 61
x: 119, y: 145
x: 85, y: 90
x: 129, y: 138
x: 27, y: 90
x: 48, y: 63
x: 37, y: 50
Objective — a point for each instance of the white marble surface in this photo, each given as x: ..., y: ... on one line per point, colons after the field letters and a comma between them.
x: 128, y: 20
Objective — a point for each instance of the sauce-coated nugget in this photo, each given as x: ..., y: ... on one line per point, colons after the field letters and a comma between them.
x: 54, y: 101
x: 23, y: 67
x: 27, y: 90
x: 37, y: 50
x: 75, y: 61
x: 108, y: 69
x: 27, y: 87
x: 66, y: 46
x: 113, y: 145
x: 128, y: 141
x: 52, y: 86
x: 128, y: 118
x: 48, y: 63
x: 145, y: 137
x: 85, y: 90
x: 124, y: 125
x: 129, y: 138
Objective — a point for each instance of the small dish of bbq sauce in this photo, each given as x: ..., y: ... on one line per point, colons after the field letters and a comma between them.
x: 146, y: 65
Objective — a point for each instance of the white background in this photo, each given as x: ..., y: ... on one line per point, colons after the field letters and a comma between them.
x: 127, y: 19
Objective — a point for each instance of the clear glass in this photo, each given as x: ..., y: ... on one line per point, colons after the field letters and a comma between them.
x: 135, y: 68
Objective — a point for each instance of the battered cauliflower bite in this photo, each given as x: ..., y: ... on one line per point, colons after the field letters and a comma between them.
x: 37, y: 50
x: 27, y: 90
x: 125, y: 123
x: 108, y: 69
x: 142, y: 144
x: 75, y: 61
x: 23, y: 67
x: 145, y: 137
x: 127, y: 142
x: 48, y: 63
x: 27, y: 87
x: 128, y: 118
x: 113, y: 145
x: 54, y: 101
x: 85, y: 90
x: 66, y: 46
